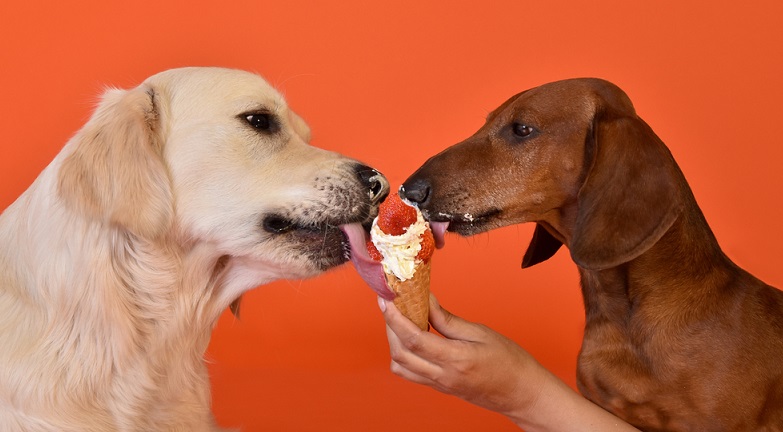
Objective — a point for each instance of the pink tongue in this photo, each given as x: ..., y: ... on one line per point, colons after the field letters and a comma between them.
x: 439, y: 232
x: 371, y: 271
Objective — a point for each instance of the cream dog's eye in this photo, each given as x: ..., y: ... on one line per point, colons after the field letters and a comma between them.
x: 261, y: 121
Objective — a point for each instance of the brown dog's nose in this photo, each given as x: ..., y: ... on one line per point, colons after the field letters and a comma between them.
x: 416, y: 191
x: 376, y: 183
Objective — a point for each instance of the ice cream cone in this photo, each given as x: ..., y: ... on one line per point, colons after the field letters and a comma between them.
x: 413, y: 295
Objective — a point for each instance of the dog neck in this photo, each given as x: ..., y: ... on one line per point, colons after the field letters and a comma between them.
x: 688, y: 251
x: 114, y: 311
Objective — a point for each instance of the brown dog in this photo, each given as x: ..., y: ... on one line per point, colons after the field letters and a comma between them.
x: 677, y: 337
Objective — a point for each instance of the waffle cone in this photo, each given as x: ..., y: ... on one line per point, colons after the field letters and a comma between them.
x: 413, y: 295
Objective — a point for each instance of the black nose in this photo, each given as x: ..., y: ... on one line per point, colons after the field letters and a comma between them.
x: 416, y: 191
x: 376, y: 183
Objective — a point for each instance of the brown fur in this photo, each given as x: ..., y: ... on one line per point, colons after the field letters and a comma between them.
x: 677, y: 336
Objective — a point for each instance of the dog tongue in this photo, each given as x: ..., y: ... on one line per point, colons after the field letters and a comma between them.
x: 439, y: 232
x: 371, y: 271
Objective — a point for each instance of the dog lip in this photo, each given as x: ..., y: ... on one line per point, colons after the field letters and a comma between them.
x: 466, y: 223
x: 467, y: 218
x: 437, y: 217
x: 277, y: 224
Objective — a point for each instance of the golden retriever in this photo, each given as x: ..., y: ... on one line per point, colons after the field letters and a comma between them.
x: 175, y: 198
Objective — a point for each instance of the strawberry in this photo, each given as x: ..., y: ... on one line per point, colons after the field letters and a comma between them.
x: 394, y: 216
x: 427, y: 246
x: 375, y: 254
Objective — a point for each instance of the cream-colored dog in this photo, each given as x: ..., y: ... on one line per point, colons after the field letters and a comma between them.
x: 175, y: 198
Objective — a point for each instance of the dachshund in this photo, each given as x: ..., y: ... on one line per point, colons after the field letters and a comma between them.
x: 677, y: 337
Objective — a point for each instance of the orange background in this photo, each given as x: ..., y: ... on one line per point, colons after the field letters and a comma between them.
x: 392, y: 83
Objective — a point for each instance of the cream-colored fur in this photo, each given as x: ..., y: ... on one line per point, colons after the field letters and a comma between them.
x: 163, y: 209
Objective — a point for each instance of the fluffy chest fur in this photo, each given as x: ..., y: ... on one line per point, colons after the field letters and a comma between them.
x: 117, y: 323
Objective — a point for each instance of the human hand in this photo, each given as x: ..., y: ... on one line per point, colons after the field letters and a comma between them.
x: 471, y: 361
x: 485, y: 368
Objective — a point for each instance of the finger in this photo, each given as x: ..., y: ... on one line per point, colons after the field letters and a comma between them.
x: 450, y: 325
x: 396, y: 320
x: 397, y: 324
x: 411, y: 361
x: 425, y: 345
x: 403, y: 372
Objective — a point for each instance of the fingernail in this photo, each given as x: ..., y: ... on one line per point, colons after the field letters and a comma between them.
x: 382, y: 304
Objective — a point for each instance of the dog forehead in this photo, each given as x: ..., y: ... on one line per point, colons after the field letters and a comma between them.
x: 586, y: 94
x: 201, y: 90
x: 571, y: 99
x: 575, y: 99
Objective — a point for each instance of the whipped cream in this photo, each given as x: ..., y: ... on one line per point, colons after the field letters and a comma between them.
x: 399, y: 251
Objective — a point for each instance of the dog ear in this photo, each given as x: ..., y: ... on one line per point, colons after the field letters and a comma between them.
x: 115, y: 171
x: 235, y: 306
x: 542, y: 247
x: 630, y: 197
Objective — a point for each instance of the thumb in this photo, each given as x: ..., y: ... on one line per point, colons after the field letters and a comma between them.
x: 450, y: 325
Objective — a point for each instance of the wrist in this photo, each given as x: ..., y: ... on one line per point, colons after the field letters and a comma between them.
x: 557, y: 407
x: 532, y: 392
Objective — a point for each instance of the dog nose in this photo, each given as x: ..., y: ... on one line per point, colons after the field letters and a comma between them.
x: 376, y: 183
x: 416, y: 191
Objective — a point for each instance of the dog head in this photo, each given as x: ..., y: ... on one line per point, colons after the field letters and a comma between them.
x: 215, y: 156
x: 573, y: 157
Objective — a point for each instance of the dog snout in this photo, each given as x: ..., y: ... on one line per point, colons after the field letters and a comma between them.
x: 376, y: 183
x: 417, y: 191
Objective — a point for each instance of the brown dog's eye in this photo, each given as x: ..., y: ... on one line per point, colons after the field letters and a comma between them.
x: 522, y: 130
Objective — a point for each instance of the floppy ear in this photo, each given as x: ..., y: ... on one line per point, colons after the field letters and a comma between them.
x: 542, y: 246
x: 235, y: 306
x: 115, y: 172
x: 630, y: 197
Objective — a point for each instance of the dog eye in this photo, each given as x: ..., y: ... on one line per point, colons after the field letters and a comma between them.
x: 522, y: 130
x: 258, y: 121
x: 264, y: 122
